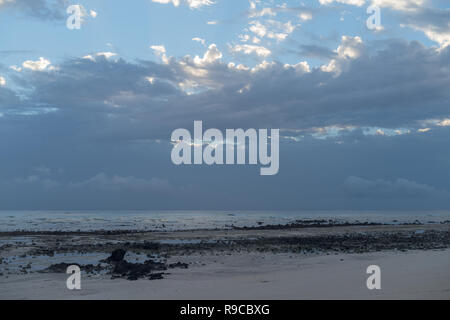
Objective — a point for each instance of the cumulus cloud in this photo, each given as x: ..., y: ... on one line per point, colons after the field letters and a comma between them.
x: 272, y: 29
x: 251, y: 49
x: 38, y: 65
x: 291, y: 96
x: 106, y: 55
x: 350, y: 48
x: 160, y: 51
x: 212, y: 55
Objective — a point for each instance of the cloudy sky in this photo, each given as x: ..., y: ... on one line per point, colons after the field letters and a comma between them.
x: 86, y: 115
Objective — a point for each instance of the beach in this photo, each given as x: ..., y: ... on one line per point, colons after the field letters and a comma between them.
x: 311, y: 259
x: 412, y: 275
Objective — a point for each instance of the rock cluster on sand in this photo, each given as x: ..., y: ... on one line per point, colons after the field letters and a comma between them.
x: 135, y: 271
x: 120, y: 268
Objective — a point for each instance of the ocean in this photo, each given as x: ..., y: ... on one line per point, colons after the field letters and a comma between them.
x: 190, y: 220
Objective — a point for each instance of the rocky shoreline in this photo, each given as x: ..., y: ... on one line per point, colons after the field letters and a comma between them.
x: 137, y: 255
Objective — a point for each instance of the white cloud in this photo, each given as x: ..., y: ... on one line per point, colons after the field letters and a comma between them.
x: 350, y: 48
x: 444, y: 123
x: 211, y: 55
x: 302, y: 66
x: 107, y: 55
x: 251, y: 49
x: 193, y: 4
x: 197, y: 69
x: 435, y: 33
x: 39, y: 65
x: 272, y: 29
x: 358, y: 3
x: 241, y: 67
x: 305, y: 16
x: 16, y: 68
x: 85, y: 13
x: 263, y: 65
x: 160, y: 51
x: 176, y: 3
x: 2, y: 81
x: 202, y: 41
x: 258, y: 28
x: 261, y: 13
x: 399, y: 5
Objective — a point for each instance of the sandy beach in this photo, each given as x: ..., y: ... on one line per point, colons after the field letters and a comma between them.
x: 413, y: 275
x: 274, y: 262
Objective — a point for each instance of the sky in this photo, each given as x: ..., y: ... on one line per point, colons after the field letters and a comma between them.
x: 86, y: 115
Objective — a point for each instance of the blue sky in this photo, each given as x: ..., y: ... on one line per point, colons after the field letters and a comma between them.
x: 86, y: 115
x: 131, y: 27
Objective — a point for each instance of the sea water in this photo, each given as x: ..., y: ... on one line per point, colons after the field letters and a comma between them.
x: 190, y: 220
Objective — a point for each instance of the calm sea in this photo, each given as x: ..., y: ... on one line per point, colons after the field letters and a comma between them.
x: 186, y: 220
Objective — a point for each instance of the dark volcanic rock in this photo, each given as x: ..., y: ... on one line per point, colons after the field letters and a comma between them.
x: 156, y: 276
x: 62, y: 267
x: 135, y: 271
x: 178, y: 265
x: 117, y: 255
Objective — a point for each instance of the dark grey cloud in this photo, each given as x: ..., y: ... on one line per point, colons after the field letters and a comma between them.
x: 396, y: 87
x: 94, y: 134
x: 316, y: 51
x: 398, y: 189
x: 431, y: 18
x: 401, y: 172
